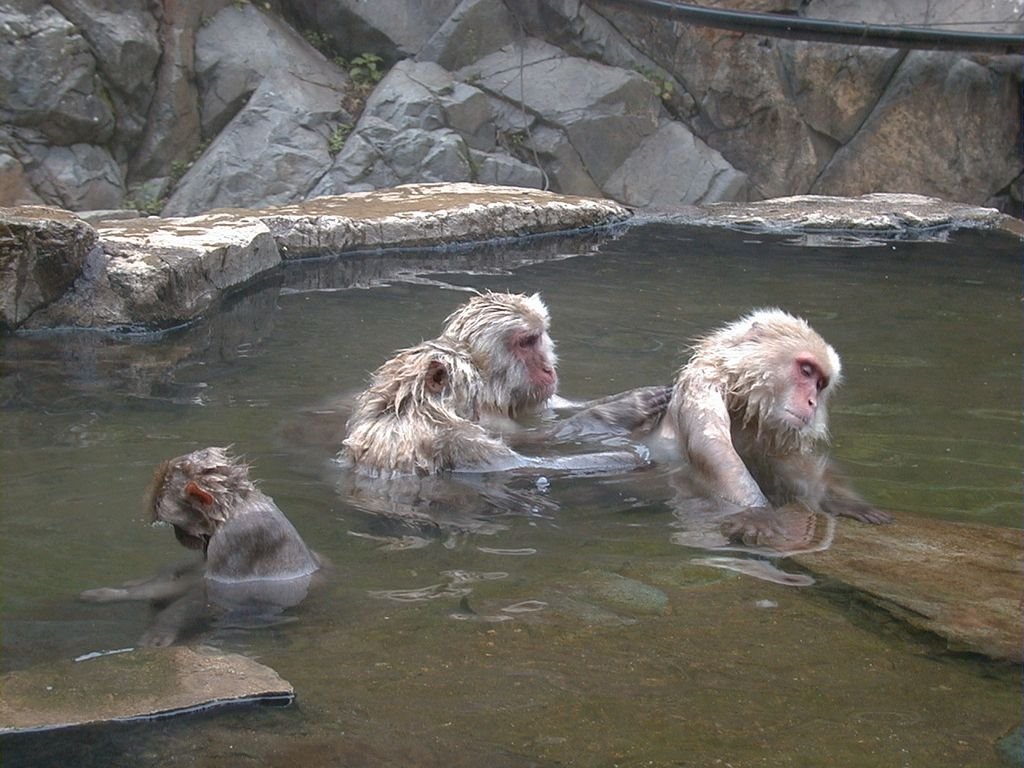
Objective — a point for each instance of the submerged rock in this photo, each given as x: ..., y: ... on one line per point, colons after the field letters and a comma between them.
x: 957, y: 580
x: 134, y: 685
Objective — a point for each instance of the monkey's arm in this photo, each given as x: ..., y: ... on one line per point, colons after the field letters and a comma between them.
x: 631, y: 411
x: 635, y: 411
x: 166, y: 585
x: 705, y: 441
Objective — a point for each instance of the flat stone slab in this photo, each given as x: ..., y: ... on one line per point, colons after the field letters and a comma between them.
x: 134, y: 685
x: 156, y: 273
x: 874, y: 213
x: 960, y: 581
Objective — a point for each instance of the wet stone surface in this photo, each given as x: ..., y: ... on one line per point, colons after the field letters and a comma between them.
x: 134, y: 685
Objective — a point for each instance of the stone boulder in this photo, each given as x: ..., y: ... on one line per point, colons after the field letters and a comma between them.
x: 580, y: 127
x: 272, y: 102
x: 959, y: 581
x: 393, y: 30
x: 420, y: 124
x: 910, y: 141
x: 157, y: 273
x: 48, y: 77
x: 139, y: 685
x: 42, y: 251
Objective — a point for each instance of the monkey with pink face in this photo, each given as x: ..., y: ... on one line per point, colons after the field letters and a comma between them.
x: 749, y: 415
x: 456, y: 403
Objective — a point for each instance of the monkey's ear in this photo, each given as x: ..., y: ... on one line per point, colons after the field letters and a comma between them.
x: 193, y: 490
x: 437, y: 377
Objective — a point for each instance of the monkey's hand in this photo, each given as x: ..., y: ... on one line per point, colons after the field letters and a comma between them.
x: 791, y: 528
x: 637, y: 410
x: 105, y: 595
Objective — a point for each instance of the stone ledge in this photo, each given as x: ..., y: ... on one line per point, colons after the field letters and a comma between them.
x: 872, y: 213
x: 145, y: 274
x: 137, y: 685
x: 154, y: 273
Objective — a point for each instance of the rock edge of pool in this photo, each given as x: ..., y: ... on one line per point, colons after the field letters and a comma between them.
x: 104, y: 270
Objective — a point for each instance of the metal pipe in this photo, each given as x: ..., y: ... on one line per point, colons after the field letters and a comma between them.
x: 825, y: 31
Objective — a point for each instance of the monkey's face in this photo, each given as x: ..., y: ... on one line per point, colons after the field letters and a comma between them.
x: 535, y: 377
x: 801, y: 389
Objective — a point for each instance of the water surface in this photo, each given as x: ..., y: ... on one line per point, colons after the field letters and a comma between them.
x: 562, y: 627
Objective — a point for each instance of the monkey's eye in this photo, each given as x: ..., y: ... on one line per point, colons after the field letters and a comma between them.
x: 822, y: 383
x: 808, y: 370
x: 529, y: 340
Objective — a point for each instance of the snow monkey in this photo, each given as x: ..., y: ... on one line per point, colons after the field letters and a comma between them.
x: 507, y: 337
x: 749, y: 414
x: 252, y: 555
x: 423, y: 412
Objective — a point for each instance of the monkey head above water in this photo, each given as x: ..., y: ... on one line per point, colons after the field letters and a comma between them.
x: 749, y: 414
x: 213, y: 505
x: 507, y: 335
x: 252, y: 555
x: 421, y: 416
x: 417, y: 415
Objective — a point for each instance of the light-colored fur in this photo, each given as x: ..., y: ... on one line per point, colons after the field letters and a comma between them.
x: 402, y: 426
x: 485, y: 324
x: 743, y: 362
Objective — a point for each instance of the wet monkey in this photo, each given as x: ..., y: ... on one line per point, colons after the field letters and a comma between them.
x: 252, y: 555
x: 424, y: 412
x: 507, y: 335
x: 749, y: 415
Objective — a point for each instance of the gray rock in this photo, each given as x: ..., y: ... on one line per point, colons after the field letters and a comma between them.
x: 157, y: 273
x: 855, y: 77
x: 875, y: 213
x: 48, y: 77
x: 122, y: 35
x: 170, y: 133
x: 141, y: 684
x: 673, y: 167
x: 605, y: 112
x: 422, y: 125
x: 474, y: 29
x: 394, y: 29
x: 80, y: 176
x: 15, y: 186
x: 42, y: 251
x: 428, y: 215
x: 276, y: 147
x: 966, y: 159
x: 1001, y: 16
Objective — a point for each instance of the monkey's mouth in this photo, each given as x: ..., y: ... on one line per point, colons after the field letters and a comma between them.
x: 796, y: 420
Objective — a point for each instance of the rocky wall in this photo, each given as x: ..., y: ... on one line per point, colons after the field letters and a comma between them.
x: 182, y: 107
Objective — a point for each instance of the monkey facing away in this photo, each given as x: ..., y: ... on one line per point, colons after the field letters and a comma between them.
x: 253, y: 558
x: 749, y: 415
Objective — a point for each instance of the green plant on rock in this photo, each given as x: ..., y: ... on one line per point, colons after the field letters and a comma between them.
x: 338, y: 138
x: 319, y: 40
x: 365, y: 69
x: 662, y: 87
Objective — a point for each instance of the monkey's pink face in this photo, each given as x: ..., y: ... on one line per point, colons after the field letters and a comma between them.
x: 807, y: 383
x: 536, y: 353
